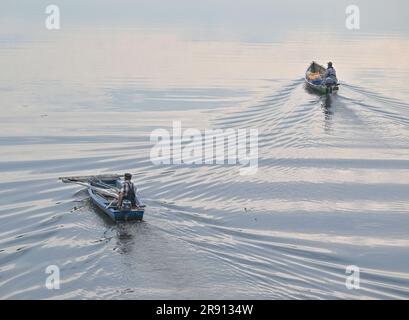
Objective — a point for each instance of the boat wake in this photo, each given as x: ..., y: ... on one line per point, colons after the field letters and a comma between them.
x: 330, y: 192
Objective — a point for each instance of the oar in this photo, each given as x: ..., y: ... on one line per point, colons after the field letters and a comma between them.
x: 110, y: 204
x: 76, y: 182
x: 103, y: 184
x: 107, y: 192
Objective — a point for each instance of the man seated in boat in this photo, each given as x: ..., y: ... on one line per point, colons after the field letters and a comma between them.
x: 127, y: 192
x: 330, y: 75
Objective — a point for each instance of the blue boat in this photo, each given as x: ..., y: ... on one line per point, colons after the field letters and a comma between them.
x: 314, y: 79
x: 103, y: 191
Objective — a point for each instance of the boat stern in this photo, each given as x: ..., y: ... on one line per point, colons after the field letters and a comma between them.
x: 133, y: 215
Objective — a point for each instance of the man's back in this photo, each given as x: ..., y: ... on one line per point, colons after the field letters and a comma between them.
x: 128, y: 190
x: 331, y: 73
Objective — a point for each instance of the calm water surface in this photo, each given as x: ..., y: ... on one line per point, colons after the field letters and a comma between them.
x: 333, y: 181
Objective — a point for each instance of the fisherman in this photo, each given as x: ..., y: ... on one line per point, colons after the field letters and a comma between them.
x: 330, y: 75
x: 128, y: 191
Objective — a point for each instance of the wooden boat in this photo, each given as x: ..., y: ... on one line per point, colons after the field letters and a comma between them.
x: 315, y: 80
x: 103, y: 191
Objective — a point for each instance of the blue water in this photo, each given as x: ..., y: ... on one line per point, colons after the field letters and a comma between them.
x: 332, y: 185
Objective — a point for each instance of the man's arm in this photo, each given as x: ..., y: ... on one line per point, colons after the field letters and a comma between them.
x: 120, y: 198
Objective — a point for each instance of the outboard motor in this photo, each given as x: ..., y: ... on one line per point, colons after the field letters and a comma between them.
x: 126, y: 205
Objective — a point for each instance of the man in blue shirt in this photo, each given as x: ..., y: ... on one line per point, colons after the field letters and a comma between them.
x: 330, y: 75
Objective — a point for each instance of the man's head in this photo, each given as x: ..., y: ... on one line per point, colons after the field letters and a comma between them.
x: 128, y: 176
x: 329, y: 64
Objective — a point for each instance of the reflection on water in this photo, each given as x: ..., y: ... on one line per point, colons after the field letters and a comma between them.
x: 326, y: 102
x: 328, y: 113
x: 333, y: 178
